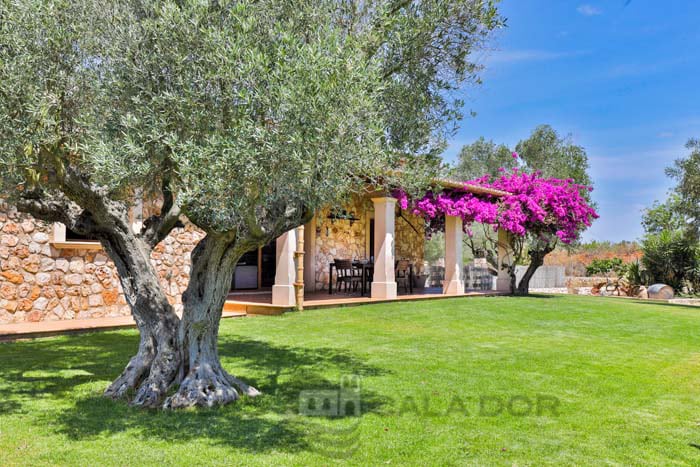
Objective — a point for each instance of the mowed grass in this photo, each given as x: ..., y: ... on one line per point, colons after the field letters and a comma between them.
x: 625, y: 375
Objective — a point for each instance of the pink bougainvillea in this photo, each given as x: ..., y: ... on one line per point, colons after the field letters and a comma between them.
x: 543, y: 207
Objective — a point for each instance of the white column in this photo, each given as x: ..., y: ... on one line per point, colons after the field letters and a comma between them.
x: 285, y: 274
x: 384, y: 282
x: 454, y: 282
x: 504, y: 258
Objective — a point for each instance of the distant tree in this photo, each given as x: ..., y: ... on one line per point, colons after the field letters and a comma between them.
x: 606, y: 267
x: 481, y: 158
x: 670, y: 246
x: 686, y: 173
x: 672, y: 258
x: 481, y: 240
x: 555, y: 156
x: 666, y: 216
x: 544, y: 150
x: 435, y: 247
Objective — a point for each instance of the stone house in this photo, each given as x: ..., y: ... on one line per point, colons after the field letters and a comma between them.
x: 49, y: 273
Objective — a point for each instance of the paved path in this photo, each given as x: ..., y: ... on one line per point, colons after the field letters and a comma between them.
x: 51, y: 328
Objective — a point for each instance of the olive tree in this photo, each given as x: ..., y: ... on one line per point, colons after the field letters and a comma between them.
x: 274, y: 119
x: 290, y: 108
x: 686, y: 202
x: 60, y: 107
x: 246, y: 117
x: 481, y: 158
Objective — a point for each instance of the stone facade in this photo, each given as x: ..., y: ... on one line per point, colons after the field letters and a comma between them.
x: 39, y: 282
x: 343, y: 239
x: 410, y: 239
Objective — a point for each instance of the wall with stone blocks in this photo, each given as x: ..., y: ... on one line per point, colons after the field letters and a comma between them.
x: 39, y: 282
x: 342, y: 239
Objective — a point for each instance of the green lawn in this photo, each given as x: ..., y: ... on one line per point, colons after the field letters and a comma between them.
x: 626, y: 376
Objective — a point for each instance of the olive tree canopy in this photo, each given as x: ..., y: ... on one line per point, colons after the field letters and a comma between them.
x: 245, y: 116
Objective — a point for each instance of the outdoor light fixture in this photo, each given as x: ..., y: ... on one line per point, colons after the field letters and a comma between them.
x: 342, y: 215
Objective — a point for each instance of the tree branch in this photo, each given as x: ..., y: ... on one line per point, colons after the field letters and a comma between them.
x: 55, y: 207
x: 157, y: 227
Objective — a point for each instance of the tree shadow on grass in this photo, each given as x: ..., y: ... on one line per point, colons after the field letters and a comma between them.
x: 54, y: 369
x: 532, y: 295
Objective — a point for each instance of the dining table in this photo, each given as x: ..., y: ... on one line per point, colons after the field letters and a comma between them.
x: 367, y: 275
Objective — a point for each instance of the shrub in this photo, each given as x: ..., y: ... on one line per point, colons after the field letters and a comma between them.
x: 605, y: 267
x: 672, y: 258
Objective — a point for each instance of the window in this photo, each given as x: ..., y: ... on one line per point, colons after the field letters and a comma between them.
x: 64, y: 238
x: 72, y: 236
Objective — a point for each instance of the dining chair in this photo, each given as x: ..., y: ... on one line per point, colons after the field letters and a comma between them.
x: 347, y: 274
x: 402, y: 274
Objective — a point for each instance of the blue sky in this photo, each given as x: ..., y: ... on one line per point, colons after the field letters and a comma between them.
x: 621, y: 76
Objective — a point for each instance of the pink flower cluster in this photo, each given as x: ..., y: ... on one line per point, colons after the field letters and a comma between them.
x: 541, y: 206
x: 466, y: 205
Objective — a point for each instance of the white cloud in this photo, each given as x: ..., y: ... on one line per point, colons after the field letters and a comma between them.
x: 665, y: 134
x: 589, y: 10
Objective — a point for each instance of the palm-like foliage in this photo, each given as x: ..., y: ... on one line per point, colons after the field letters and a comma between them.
x: 672, y: 258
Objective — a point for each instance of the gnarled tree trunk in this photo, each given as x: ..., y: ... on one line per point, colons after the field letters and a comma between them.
x: 87, y: 208
x: 536, y: 260
x: 206, y: 383
x: 158, y: 362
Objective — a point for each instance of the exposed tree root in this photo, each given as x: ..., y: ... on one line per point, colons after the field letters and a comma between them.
x: 138, y: 368
x: 208, y: 385
x: 150, y: 373
x: 244, y: 388
x: 165, y: 372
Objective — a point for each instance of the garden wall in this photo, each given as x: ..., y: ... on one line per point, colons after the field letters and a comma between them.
x: 544, y: 277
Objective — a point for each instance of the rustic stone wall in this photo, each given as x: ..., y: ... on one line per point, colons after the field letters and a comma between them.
x: 344, y: 240
x: 340, y: 239
x: 40, y: 282
x: 410, y: 239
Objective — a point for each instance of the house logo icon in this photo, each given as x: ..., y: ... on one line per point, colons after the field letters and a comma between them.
x: 342, y: 402
x: 338, y: 438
